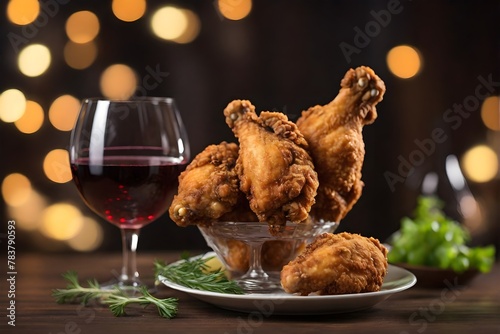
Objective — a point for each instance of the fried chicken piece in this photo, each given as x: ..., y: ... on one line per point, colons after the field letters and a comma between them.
x: 208, y: 188
x: 275, y: 170
x: 334, y: 135
x: 337, y: 264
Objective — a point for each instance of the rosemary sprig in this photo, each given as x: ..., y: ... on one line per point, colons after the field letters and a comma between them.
x: 195, y: 274
x: 115, y: 298
x: 167, y: 308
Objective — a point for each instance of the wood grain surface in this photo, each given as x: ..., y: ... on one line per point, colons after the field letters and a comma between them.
x: 475, y: 308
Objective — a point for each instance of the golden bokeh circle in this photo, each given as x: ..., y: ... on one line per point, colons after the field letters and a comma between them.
x: 118, y: 82
x: 34, y: 60
x: 63, y: 112
x: 404, y: 61
x: 490, y: 112
x: 129, y: 10
x: 32, y: 119
x: 80, y: 55
x: 169, y: 23
x: 234, y: 10
x: 82, y: 26
x: 61, y: 221
x: 12, y: 105
x: 480, y: 163
x: 16, y: 189
x: 23, y: 12
x: 56, y: 166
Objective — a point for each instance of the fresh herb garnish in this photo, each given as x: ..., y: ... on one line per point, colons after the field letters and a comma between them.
x: 195, y: 274
x: 433, y: 239
x: 115, y: 298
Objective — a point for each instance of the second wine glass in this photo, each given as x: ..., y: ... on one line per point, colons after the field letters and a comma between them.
x: 125, y: 158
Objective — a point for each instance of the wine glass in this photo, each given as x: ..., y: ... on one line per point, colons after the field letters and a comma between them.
x: 125, y: 158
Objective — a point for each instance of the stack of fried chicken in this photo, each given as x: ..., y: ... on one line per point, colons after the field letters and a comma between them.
x: 283, y: 171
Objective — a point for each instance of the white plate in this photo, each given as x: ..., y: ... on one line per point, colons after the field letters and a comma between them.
x: 396, y: 280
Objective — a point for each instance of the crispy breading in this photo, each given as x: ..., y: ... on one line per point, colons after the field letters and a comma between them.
x: 337, y: 264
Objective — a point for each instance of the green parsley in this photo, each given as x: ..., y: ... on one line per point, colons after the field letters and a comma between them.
x: 433, y: 239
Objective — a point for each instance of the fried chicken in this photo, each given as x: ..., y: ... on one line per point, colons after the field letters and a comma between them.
x: 208, y: 188
x: 334, y: 135
x: 337, y: 264
x: 275, y: 170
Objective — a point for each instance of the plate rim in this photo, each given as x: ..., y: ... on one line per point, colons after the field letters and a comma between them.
x: 411, y: 280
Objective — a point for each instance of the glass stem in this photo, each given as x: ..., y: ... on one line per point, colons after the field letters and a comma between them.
x: 130, y: 275
x: 255, y: 271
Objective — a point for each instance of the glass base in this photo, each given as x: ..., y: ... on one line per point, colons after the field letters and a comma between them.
x: 266, y: 283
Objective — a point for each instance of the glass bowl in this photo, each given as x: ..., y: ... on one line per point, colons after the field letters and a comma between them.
x: 254, y: 257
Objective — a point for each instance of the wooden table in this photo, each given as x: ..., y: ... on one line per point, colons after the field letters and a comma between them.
x: 474, y: 309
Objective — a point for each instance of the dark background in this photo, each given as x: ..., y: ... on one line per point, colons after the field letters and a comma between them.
x: 284, y: 56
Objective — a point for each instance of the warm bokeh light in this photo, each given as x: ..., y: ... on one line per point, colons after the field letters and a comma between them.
x: 82, y: 27
x: 63, y: 112
x: 234, y: 10
x: 192, y: 29
x: 80, y: 56
x: 16, y: 189
x: 480, y: 163
x: 129, y: 10
x: 32, y: 119
x: 490, y: 113
x: 118, y: 82
x: 23, y: 12
x: 12, y: 105
x: 27, y: 215
x: 61, y: 221
x: 89, y: 238
x: 404, y: 61
x: 169, y: 22
x: 56, y: 166
x: 34, y: 60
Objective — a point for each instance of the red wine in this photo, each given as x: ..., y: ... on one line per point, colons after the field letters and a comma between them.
x: 128, y: 193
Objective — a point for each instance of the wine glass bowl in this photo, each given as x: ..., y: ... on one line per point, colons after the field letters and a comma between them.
x: 125, y: 158
x: 254, y: 257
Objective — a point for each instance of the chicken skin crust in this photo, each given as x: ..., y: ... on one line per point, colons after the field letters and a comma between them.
x: 337, y: 264
x: 274, y: 167
x: 208, y: 188
x: 334, y: 135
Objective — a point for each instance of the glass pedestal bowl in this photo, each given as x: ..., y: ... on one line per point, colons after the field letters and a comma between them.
x: 254, y: 257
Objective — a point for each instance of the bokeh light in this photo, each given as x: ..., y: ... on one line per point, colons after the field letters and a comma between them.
x: 404, y: 61
x: 169, y: 23
x: 82, y: 27
x: 234, y: 10
x: 16, y: 189
x: 490, y: 113
x: 23, y: 12
x: 80, y: 56
x: 34, y: 60
x: 61, y: 221
x: 12, y: 105
x: 89, y: 238
x: 63, y: 112
x: 480, y: 163
x: 27, y: 215
x: 32, y: 119
x: 56, y: 166
x: 118, y: 82
x: 128, y: 10
x: 192, y: 29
